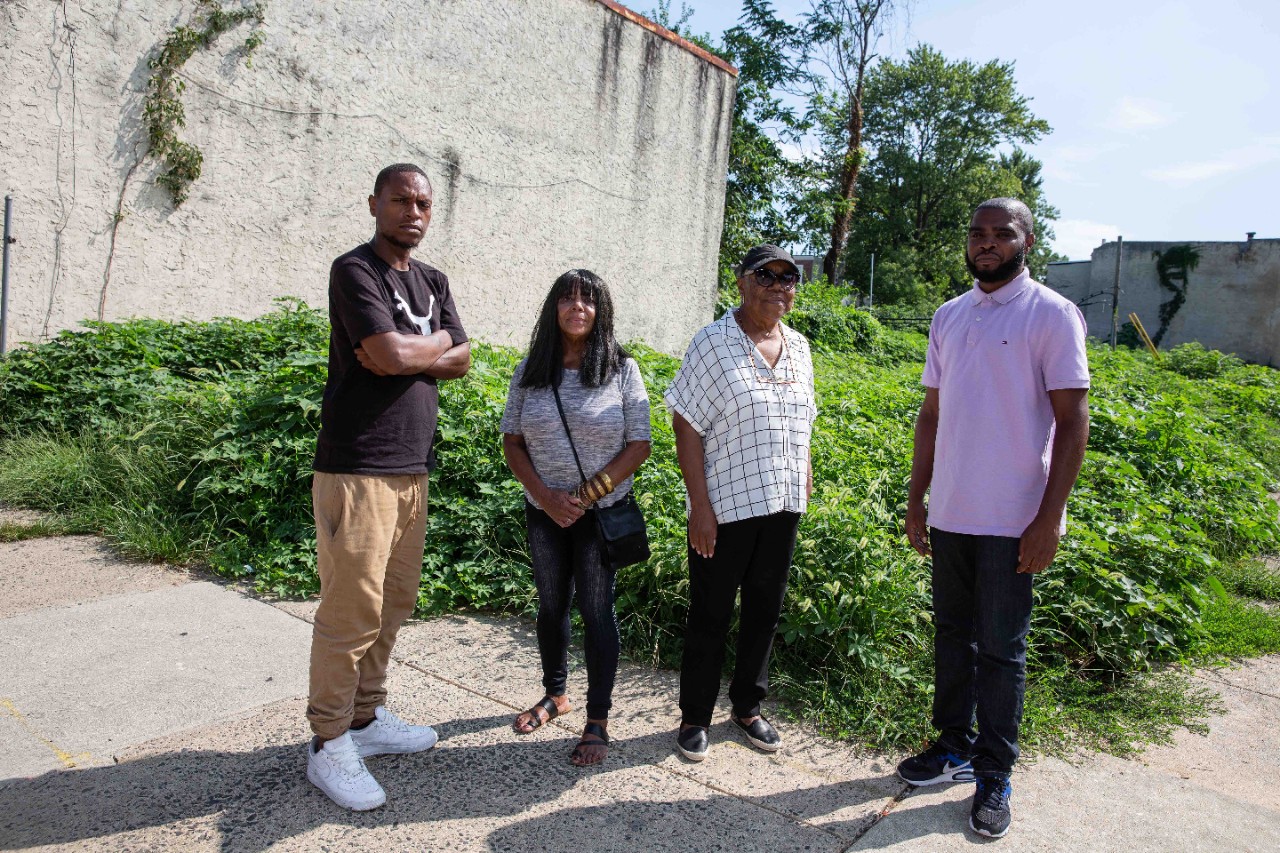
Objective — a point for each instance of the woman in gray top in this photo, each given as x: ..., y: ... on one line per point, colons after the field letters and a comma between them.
x: 573, y: 352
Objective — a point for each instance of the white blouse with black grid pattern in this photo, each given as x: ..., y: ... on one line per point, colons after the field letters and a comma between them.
x: 755, y: 422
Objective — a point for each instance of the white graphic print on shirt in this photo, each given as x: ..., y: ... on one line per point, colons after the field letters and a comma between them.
x: 423, y: 323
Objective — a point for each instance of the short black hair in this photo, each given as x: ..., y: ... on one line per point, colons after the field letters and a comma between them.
x: 396, y: 169
x: 603, y: 356
x: 1018, y: 210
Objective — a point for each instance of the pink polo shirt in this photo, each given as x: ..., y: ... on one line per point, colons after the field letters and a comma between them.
x: 994, y: 358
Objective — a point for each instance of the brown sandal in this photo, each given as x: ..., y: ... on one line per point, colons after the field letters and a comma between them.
x: 590, y: 730
x: 535, y: 721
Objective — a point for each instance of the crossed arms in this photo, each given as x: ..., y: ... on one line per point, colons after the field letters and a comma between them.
x: 395, y: 354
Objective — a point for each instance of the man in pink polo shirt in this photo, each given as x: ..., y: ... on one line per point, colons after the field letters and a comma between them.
x: 998, y: 445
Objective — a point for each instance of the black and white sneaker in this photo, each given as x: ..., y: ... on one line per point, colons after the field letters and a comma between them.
x: 936, y: 764
x: 761, y: 733
x: 990, y: 815
x: 692, y: 743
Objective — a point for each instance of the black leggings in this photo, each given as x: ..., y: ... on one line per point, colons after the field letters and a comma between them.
x: 566, y: 559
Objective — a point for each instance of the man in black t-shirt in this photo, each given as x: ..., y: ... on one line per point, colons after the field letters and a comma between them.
x: 395, y: 332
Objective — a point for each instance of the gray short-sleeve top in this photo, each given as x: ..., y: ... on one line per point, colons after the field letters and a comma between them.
x: 602, y: 419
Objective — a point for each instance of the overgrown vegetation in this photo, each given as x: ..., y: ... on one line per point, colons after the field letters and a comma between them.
x: 163, y: 111
x: 193, y: 442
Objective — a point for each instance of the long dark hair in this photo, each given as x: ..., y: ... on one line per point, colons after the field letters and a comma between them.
x: 603, y: 356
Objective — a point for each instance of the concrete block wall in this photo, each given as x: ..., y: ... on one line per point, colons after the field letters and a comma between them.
x: 557, y: 134
x: 1232, y: 296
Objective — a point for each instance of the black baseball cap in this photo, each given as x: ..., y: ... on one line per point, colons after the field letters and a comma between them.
x: 758, y: 256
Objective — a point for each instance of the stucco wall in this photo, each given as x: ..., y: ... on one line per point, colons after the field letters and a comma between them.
x: 557, y: 134
x: 1232, y: 296
x: 1071, y: 279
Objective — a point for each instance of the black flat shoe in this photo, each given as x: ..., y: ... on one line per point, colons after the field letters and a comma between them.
x: 761, y: 734
x: 692, y: 743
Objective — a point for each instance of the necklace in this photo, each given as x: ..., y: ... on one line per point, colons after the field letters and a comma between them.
x: 769, y: 375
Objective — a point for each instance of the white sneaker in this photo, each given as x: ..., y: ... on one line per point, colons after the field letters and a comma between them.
x: 337, y: 769
x: 388, y: 734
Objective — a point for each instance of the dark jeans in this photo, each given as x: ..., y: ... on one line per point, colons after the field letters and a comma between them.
x: 565, y: 560
x: 755, y: 555
x: 982, y: 613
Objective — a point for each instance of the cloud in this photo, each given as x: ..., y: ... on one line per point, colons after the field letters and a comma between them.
x: 1077, y: 238
x: 1067, y: 173
x: 1190, y: 173
x: 1236, y: 160
x: 1077, y: 153
x: 1132, y: 113
x: 1071, y: 163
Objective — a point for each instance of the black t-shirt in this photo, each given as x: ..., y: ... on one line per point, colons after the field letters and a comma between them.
x: 380, y: 424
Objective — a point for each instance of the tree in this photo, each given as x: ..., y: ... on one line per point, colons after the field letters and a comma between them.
x: 662, y: 16
x: 761, y: 180
x: 935, y: 129
x: 845, y: 33
x: 1027, y: 170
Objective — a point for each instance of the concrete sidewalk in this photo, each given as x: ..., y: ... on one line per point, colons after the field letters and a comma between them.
x: 142, y: 708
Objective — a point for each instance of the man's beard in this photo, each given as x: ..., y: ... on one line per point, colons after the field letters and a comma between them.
x: 1004, y: 272
x: 398, y: 243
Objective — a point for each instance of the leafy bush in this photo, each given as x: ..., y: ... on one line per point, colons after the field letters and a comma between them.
x: 115, y: 371
x: 1196, y: 362
x: 831, y: 326
x: 194, y: 441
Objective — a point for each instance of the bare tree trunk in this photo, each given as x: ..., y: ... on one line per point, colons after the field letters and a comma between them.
x: 848, y: 189
x: 849, y: 29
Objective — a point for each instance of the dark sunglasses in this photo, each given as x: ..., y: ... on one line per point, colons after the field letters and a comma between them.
x: 766, y: 278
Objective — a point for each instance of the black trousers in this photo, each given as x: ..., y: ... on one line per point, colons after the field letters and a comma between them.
x: 754, y: 556
x: 982, y: 613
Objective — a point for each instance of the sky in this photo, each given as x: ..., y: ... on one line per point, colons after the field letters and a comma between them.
x: 1165, y: 115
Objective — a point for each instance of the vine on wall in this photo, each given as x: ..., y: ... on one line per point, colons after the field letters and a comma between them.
x: 163, y: 110
x: 1173, y: 267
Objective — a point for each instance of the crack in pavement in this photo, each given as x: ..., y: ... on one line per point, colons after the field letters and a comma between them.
x: 1225, y: 683
x: 879, y: 816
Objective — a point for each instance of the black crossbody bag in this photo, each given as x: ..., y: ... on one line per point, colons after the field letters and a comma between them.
x: 623, y: 536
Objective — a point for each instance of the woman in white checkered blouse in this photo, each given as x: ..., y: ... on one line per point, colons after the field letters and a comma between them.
x: 743, y: 410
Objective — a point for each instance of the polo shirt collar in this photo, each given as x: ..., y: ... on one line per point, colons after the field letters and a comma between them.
x: 1006, y: 294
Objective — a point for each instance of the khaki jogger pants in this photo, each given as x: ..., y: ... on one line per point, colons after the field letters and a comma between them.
x: 370, y: 532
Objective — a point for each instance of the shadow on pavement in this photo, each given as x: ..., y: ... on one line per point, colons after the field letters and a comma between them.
x: 261, y: 797
x: 674, y: 825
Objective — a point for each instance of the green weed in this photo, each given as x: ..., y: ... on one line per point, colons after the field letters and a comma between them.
x: 194, y: 441
x: 11, y: 531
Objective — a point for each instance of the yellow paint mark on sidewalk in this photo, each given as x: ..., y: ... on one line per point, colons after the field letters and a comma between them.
x: 68, y: 760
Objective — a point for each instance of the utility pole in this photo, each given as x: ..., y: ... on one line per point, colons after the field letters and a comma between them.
x: 1115, y: 295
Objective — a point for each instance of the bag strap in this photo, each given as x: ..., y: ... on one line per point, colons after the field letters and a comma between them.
x: 560, y: 408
